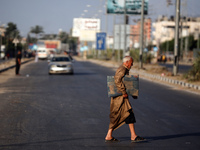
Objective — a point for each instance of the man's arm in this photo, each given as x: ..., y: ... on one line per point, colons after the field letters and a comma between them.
x: 19, y: 61
x: 118, y: 81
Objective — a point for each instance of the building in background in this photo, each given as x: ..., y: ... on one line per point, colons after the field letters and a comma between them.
x: 50, y: 45
x: 165, y: 28
x: 2, y: 30
x: 2, y: 47
x: 135, y: 33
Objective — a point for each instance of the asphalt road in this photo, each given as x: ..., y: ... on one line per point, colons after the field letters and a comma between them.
x: 61, y: 112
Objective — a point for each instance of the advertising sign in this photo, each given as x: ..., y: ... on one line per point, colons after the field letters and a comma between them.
x: 132, y: 7
x: 86, y: 24
x: 87, y: 35
x: 85, y: 28
x: 101, y: 41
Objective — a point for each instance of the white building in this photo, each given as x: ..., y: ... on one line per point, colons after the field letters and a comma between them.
x: 165, y: 28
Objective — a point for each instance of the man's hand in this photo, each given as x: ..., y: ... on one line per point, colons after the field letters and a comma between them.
x: 125, y: 95
x: 135, y: 97
x: 19, y: 62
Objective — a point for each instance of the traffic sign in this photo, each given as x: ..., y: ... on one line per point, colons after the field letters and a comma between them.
x: 101, y: 41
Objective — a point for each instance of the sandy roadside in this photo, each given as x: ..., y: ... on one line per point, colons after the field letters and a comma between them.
x: 10, y: 73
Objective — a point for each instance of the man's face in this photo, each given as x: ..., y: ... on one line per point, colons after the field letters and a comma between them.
x: 130, y: 63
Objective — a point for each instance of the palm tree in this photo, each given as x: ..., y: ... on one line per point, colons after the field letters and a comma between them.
x: 36, y: 30
x: 63, y: 36
x: 11, y: 33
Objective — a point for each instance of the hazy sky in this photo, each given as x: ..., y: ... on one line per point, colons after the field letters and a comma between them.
x: 53, y: 15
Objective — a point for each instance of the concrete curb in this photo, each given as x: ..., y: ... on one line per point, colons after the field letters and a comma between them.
x: 12, y: 66
x: 176, y: 82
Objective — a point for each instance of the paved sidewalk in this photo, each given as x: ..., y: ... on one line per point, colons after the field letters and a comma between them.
x: 8, y: 64
x: 148, y: 73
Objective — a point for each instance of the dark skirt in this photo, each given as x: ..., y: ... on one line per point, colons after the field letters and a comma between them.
x: 131, y: 118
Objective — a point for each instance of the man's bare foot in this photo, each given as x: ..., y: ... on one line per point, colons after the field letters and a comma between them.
x: 133, y: 137
x: 108, y: 138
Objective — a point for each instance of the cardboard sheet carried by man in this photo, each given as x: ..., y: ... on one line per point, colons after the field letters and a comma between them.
x: 131, y: 83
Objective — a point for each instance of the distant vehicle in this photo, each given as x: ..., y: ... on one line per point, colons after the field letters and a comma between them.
x: 52, y: 53
x: 42, y: 53
x: 60, y: 64
x: 2, y: 56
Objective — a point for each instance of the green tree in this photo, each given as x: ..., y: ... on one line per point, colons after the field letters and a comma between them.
x: 63, y: 37
x: 194, y: 73
x: 36, y: 30
x: 72, y: 43
x: 30, y: 39
x: 11, y: 33
x: 168, y: 45
x: 192, y: 43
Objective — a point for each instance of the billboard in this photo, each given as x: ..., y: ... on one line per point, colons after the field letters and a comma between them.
x: 85, y: 28
x: 86, y: 24
x: 87, y: 35
x: 132, y: 7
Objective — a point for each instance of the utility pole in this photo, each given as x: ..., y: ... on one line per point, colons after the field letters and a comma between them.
x: 0, y: 43
x: 113, y: 49
x: 169, y: 2
x: 106, y: 34
x: 198, y: 39
x: 176, y: 43
x: 124, y: 28
x: 119, y: 43
x: 185, y: 19
x: 141, y: 35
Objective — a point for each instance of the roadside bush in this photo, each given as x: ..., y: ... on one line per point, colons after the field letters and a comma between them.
x: 135, y: 55
x: 194, y: 73
x: 148, y: 58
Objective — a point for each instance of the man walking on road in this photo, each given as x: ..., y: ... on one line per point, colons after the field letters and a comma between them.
x: 120, y: 108
x: 18, y: 62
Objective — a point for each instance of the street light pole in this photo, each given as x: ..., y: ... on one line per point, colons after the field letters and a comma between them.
x: 0, y: 43
x: 176, y: 44
x: 141, y: 35
x: 113, y: 50
x: 124, y: 28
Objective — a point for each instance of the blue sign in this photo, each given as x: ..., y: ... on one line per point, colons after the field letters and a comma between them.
x: 33, y: 47
x: 84, y: 48
x: 155, y: 49
x: 101, y: 41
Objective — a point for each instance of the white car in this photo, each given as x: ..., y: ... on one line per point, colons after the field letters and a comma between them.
x: 60, y: 64
x: 42, y: 53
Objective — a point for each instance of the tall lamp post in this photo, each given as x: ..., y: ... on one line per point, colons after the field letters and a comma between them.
x: 176, y: 43
x: 141, y: 35
x: 0, y: 43
x: 124, y: 28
